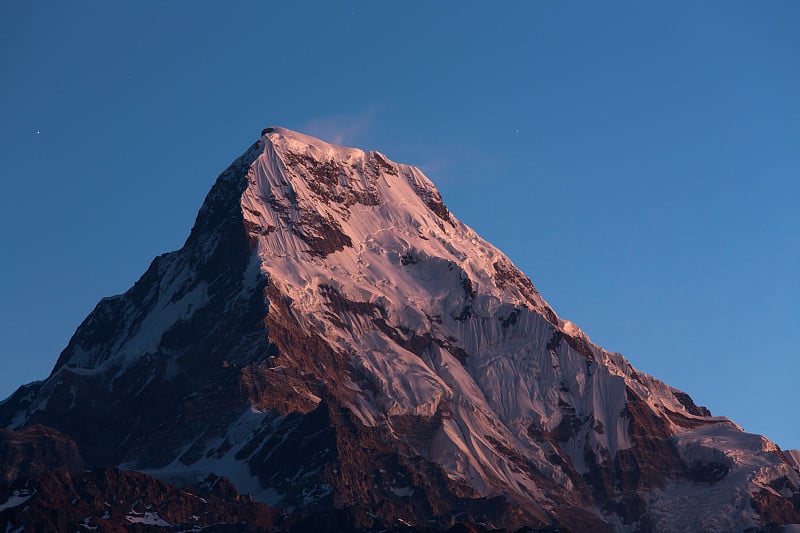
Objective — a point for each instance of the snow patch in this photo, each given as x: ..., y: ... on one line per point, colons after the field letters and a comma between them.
x: 239, y: 433
x: 17, y: 498
x: 146, y: 518
x: 403, y: 492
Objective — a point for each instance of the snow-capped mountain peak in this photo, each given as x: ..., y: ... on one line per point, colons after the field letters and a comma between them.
x: 328, y: 301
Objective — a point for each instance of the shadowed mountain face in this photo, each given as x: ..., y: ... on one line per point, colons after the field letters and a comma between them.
x: 336, y: 343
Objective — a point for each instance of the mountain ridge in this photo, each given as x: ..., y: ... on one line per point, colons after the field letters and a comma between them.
x: 327, y: 300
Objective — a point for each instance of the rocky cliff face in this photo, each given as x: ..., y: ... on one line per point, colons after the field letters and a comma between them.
x: 332, y: 339
x: 52, y: 492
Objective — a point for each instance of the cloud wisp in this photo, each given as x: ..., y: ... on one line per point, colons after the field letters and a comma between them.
x: 342, y: 129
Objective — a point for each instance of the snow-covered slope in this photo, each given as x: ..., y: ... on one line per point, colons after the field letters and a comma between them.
x: 332, y: 336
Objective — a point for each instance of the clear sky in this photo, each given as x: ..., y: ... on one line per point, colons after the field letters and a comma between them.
x: 638, y: 160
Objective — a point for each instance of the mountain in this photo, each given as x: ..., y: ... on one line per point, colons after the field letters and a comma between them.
x: 333, y: 341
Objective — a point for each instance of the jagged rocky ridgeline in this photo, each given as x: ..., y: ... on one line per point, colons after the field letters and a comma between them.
x: 344, y: 351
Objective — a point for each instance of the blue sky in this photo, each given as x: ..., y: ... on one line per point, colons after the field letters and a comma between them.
x: 638, y: 160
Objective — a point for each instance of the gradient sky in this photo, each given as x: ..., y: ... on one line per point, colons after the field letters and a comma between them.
x: 638, y: 160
